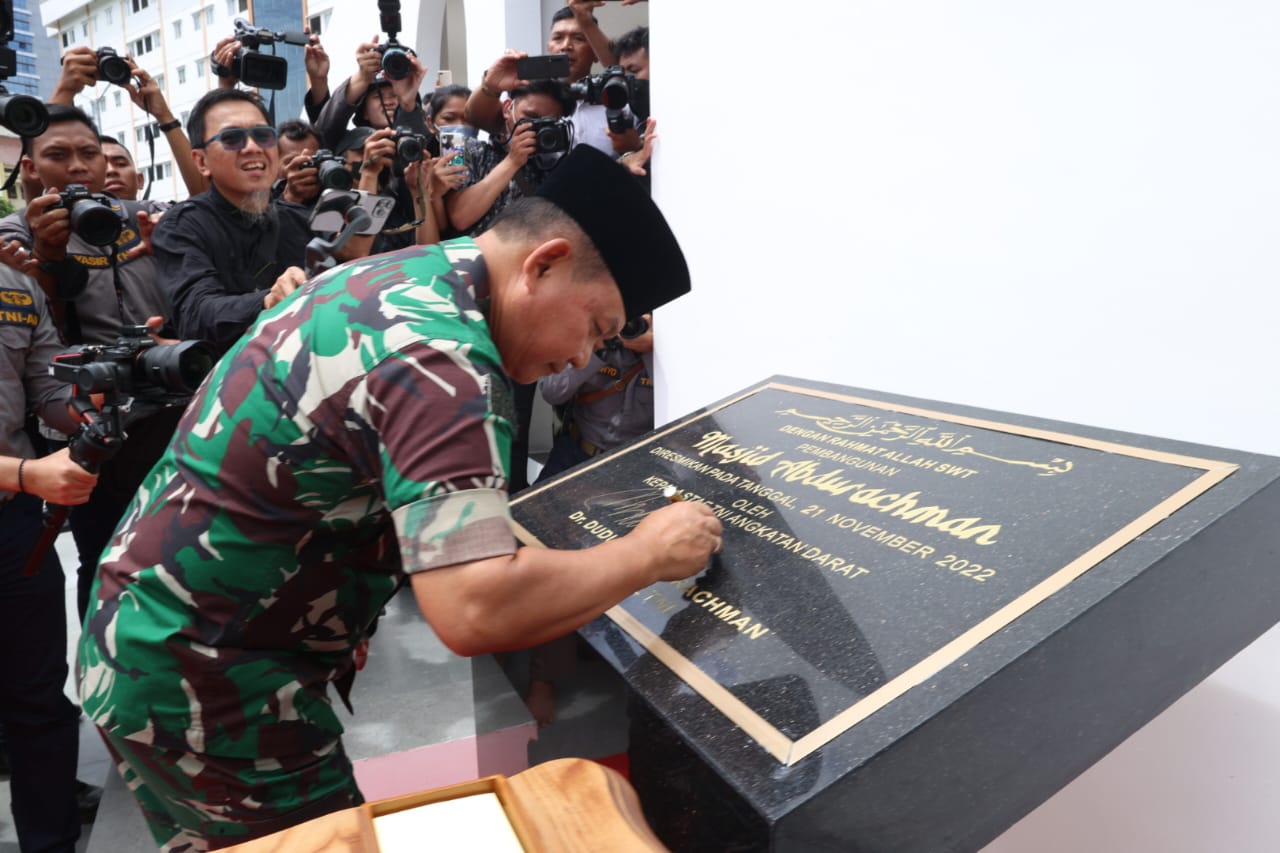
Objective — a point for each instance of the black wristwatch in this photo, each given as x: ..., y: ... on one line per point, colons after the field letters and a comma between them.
x: 168, y: 126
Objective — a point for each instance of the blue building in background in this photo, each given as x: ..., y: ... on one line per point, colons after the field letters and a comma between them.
x: 277, y: 15
x: 37, y: 67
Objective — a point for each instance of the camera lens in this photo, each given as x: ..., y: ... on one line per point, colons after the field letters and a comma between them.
x: 23, y: 114
x: 178, y: 369
x: 96, y: 222
x: 113, y: 68
x: 409, y: 149
x: 395, y: 63
x: 333, y: 175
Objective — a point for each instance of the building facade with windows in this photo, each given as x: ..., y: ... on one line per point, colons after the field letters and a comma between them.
x: 171, y: 40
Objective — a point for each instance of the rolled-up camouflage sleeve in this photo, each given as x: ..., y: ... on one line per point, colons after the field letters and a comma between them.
x: 443, y: 453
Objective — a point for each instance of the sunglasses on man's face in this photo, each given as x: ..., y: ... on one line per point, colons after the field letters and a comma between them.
x: 236, y: 138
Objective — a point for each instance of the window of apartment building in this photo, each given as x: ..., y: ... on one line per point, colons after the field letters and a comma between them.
x: 195, y: 21
x: 160, y: 171
x: 68, y: 37
x: 140, y: 133
x: 159, y: 78
x: 208, y: 15
x: 139, y: 5
x: 146, y: 44
x: 186, y: 114
x: 235, y: 7
x: 182, y: 73
x: 84, y: 28
x: 319, y: 23
x: 107, y: 14
x: 200, y: 67
x: 118, y: 99
x: 177, y: 28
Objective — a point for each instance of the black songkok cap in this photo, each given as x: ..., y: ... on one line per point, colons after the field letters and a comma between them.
x: 627, y: 228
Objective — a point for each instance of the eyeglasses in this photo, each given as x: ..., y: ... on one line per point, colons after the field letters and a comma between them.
x: 236, y: 138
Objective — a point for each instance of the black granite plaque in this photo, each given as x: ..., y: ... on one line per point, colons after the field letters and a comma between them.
x: 885, y: 559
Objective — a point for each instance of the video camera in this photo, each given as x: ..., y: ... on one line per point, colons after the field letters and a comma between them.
x: 22, y: 114
x: 331, y: 170
x: 259, y: 69
x: 623, y: 95
x: 93, y: 216
x: 136, y: 366
x: 395, y: 56
x: 551, y: 135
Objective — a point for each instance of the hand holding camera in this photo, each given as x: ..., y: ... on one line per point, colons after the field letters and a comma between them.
x: 79, y: 70
x: 523, y: 143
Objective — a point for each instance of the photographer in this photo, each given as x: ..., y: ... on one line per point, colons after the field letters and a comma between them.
x: 96, y: 289
x: 590, y: 124
x: 506, y: 168
x: 298, y: 180
x: 370, y: 154
x: 81, y: 68
x: 41, y: 726
x: 369, y: 98
x: 227, y: 254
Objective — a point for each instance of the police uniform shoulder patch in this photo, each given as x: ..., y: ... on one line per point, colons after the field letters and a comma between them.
x: 17, y: 308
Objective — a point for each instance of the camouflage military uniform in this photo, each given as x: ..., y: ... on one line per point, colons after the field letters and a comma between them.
x: 360, y: 424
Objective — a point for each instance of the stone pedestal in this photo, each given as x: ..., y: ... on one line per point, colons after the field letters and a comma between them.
x: 927, y: 618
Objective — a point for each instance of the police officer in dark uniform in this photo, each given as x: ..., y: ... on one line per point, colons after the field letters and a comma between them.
x: 41, y: 725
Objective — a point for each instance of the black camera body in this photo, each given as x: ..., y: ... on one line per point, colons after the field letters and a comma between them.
x: 551, y: 135
x: 623, y: 96
x: 93, y: 216
x: 261, y: 70
x: 135, y: 365
x: 113, y: 67
x: 411, y: 147
x: 331, y: 169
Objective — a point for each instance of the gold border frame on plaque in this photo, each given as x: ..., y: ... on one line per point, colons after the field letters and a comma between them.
x: 790, y: 751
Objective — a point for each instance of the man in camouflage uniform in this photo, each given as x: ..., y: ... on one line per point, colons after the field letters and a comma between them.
x: 360, y: 433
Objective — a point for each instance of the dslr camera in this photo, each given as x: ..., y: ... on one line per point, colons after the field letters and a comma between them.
x: 136, y: 366
x: 411, y: 147
x: 395, y: 56
x: 623, y: 95
x: 93, y: 217
x: 551, y: 135
x: 331, y: 169
x: 259, y: 69
x: 113, y: 67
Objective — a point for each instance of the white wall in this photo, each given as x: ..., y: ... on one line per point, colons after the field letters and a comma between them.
x: 1066, y: 210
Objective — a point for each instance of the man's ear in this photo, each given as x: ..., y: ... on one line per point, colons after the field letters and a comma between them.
x: 142, y: 179
x: 28, y: 167
x: 544, y: 257
x: 197, y: 157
